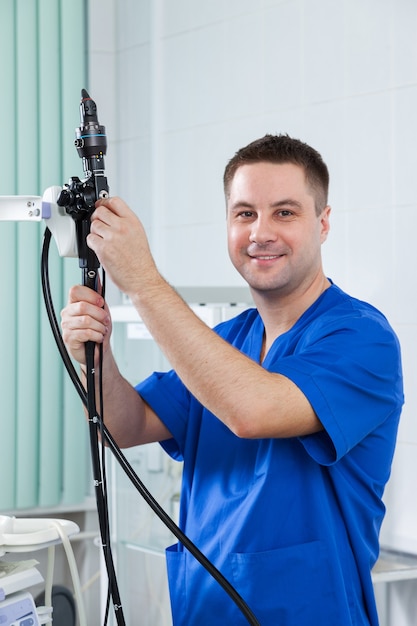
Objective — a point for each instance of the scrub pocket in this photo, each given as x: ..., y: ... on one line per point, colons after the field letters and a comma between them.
x: 290, y: 586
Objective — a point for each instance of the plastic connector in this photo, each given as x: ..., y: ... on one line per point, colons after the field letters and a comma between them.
x: 59, y: 223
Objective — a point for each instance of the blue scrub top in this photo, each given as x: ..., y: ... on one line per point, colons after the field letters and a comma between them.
x: 292, y: 523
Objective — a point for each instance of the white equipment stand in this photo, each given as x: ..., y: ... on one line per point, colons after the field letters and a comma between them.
x: 17, y: 607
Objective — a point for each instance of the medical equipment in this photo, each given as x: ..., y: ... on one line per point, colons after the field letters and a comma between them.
x: 77, y: 199
x: 19, y: 610
x: 17, y: 607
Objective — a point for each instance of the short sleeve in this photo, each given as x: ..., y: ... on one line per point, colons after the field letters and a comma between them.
x: 350, y: 371
x: 167, y: 396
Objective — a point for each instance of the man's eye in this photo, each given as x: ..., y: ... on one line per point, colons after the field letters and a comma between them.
x: 246, y: 213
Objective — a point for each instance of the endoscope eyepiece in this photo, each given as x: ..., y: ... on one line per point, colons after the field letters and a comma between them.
x: 88, y: 107
x: 91, y: 140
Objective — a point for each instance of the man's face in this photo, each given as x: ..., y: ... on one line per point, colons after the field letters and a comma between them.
x: 274, y: 234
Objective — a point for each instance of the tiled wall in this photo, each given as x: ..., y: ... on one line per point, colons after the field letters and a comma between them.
x: 184, y: 83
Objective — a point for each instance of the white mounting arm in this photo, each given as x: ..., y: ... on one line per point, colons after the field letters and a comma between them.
x: 35, y: 209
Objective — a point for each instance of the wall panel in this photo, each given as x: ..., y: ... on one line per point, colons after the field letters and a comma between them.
x: 42, y: 71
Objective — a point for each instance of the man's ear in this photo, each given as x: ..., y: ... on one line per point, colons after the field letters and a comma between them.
x: 325, y: 223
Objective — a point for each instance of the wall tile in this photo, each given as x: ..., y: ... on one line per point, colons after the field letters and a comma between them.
x: 403, y: 22
x: 193, y: 166
x: 134, y: 92
x: 404, y: 140
x: 405, y: 225
x: 368, y: 150
x: 197, y: 255
x: 367, y: 45
x: 244, y: 67
x: 178, y: 81
x: 132, y: 23
x: 133, y: 182
x: 283, y: 54
x: 370, y: 258
x: 185, y: 15
x: 324, y: 50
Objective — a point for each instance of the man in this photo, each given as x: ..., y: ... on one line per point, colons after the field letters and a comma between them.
x: 285, y: 417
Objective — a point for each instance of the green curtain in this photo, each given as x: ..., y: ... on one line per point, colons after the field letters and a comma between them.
x: 43, y: 54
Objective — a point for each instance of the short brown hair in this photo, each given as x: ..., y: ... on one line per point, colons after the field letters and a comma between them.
x: 284, y: 149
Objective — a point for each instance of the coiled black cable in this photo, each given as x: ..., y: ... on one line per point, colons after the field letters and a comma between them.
x: 121, y: 459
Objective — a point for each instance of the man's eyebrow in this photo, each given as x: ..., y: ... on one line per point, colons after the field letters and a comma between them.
x: 287, y: 202
x: 243, y: 204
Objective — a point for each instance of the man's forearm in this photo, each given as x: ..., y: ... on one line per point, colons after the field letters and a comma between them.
x: 123, y: 411
x: 251, y: 401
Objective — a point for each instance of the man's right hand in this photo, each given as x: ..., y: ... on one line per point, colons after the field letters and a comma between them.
x: 84, y: 319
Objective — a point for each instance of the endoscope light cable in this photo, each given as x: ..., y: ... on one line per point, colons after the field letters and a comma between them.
x: 119, y: 456
x: 103, y: 456
x: 94, y: 424
x: 103, y: 464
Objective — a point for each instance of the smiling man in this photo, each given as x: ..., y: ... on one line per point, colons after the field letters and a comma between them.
x: 275, y: 234
x: 285, y: 417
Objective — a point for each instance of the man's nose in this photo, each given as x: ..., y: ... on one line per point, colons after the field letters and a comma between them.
x: 263, y: 231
